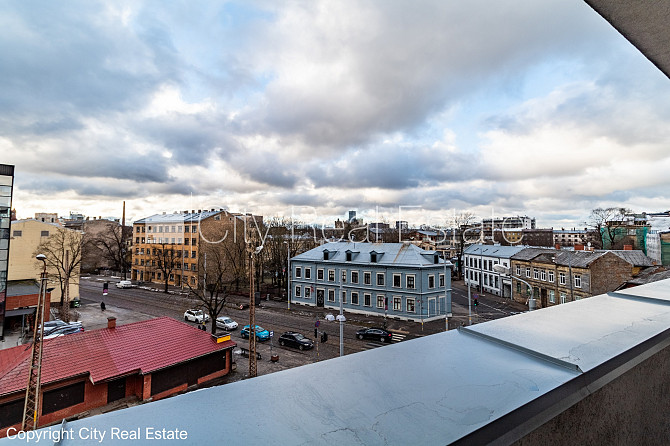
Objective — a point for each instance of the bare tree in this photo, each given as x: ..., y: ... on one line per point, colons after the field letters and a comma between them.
x: 110, y: 245
x: 461, y: 223
x: 167, y: 259
x: 63, y: 250
x: 214, y: 278
x: 607, y: 223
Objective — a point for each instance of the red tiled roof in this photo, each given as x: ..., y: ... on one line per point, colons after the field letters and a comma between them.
x: 140, y: 347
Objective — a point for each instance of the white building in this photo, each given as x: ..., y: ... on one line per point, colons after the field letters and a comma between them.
x: 478, y: 266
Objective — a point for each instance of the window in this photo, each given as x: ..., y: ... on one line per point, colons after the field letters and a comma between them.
x: 367, y: 278
x: 563, y: 298
x: 44, y: 234
x: 297, y: 291
x: 518, y: 287
x: 561, y: 278
x: 343, y: 276
x: 308, y: 273
x: 380, y: 301
x: 527, y: 271
x: 354, y: 277
x: 367, y: 300
x: 17, y: 233
x: 193, y: 242
x: 518, y: 270
x: 331, y: 295
x: 578, y: 281
x: 193, y: 254
x: 348, y: 256
x: 410, y: 306
x: 319, y: 274
x: 160, y: 229
x: 331, y: 275
x: 441, y: 280
x: 354, y: 298
x: 344, y: 297
x: 409, y: 281
x: 431, y: 281
x: 373, y: 257
x: 543, y: 275
x: 307, y: 292
x: 536, y: 273
x: 396, y: 281
x: 486, y: 279
x: 380, y: 279
x: 63, y: 397
x: 551, y: 276
x: 193, y: 266
x: 397, y: 303
x: 552, y: 296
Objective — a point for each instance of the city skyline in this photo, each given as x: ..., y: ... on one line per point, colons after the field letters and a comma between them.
x: 514, y: 108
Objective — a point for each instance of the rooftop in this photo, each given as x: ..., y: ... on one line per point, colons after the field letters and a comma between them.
x: 395, y: 254
x: 140, y: 347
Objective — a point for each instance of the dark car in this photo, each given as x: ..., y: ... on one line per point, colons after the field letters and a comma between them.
x: 297, y: 340
x: 376, y: 334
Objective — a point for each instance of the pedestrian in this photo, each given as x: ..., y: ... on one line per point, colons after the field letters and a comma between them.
x: 102, y: 306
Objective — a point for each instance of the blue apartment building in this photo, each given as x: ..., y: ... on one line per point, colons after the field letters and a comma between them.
x: 399, y: 280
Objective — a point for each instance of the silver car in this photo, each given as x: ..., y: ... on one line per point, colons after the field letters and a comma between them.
x: 225, y: 323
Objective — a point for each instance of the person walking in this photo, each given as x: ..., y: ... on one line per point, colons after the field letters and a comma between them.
x: 102, y: 306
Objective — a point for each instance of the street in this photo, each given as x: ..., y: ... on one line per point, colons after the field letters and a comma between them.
x: 137, y: 304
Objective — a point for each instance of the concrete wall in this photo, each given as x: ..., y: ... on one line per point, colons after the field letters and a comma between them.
x: 632, y: 409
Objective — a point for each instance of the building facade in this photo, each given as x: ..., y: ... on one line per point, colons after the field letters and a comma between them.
x: 6, y: 188
x: 397, y: 280
x: 183, y: 233
x: 479, y: 261
x: 561, y: 276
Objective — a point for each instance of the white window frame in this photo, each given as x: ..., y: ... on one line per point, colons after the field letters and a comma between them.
x: 331, y: 275
x: 564, y: 297
x: 369, y: 276
x: 380, y: 300
x: 518, y: 270
x: 543, y: 275
x: 352, y: 277
x: 343, y: 296
x: 399, y: 278
x: 407, y: 280
x: 397, y: 300
x: 298, y: 272
x: 383, y: 281
x: 561, y: 278
x: 354, y: 301
x: 552, y: 296
x: 319, y: 272
x: 331, y: 295
x: 308, y: 292
x: 308, y: 273
x: 410, y: 304
x: 536, y: 273
x: 441, y: 281
x: 297, y: 291
x: 551, y: 276
x: 367, y: 296
x: 577, y: 280
x: 431, y: 278
x: 528, y: 271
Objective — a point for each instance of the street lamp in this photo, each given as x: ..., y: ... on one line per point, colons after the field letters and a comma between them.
x: 447, y: 297
x: 507, y: 271
x: 288, y: 273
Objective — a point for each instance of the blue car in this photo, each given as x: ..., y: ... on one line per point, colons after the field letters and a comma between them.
x: 261, y: 333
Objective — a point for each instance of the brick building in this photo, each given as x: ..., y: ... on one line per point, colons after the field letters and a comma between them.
x: 560, y: 276
x: 144, y: 360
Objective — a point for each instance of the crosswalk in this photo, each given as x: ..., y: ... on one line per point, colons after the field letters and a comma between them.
x: 395, y: 337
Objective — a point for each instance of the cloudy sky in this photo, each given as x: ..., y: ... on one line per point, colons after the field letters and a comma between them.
x: 317, y: 107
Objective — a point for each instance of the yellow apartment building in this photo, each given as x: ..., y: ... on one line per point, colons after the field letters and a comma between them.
x: 183, y: 232
x: 25, y: 237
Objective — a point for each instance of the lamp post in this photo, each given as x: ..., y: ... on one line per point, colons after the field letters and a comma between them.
x: 447, y: 297
x: 288, y: 274
x: 507, y: 271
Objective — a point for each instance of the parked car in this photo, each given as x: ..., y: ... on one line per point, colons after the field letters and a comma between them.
x: 297, y: 340
x: 261, y: 333
x: 57, y: 323
x: 195, y: 316
x: 124, y: 284
x: 62, y: 331
x: 376, y: 334
x: 225, y: 323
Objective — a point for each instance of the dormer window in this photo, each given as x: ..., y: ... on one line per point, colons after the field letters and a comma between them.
x: 373, y: 257
x: 348, y: 253
x: 436, y: 259
x: 325, y: 255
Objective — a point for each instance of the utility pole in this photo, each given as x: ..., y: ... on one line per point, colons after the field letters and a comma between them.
x: 31, y: 407
x: 253, y: 370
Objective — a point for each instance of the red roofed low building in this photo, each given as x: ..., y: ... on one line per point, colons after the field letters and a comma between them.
x: 146, y: 360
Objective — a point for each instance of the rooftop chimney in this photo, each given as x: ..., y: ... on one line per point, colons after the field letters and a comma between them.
x: 579, y: 247
x: 557, y: 246
x: 627, y: 247
x: 111, y: 322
